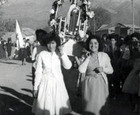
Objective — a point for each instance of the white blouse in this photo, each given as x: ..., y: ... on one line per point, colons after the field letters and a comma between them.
x: 47, y: 63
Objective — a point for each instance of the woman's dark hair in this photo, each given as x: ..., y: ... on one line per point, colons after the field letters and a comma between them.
x: 127, y: 40
x: 94, y: 37
x: 9, y: 40
x: 104, y: 35
x: 89, y: 33
x: 114, y: 36
x: 41, y: 36
x: 53, y: 36
x: 136, y: 34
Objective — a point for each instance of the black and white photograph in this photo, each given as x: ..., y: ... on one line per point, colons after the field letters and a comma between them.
x: 69, y: 57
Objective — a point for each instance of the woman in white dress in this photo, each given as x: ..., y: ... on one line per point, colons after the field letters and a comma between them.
x: 49, y: 88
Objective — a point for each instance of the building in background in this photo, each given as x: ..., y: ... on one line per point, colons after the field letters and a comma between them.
x: 27, y: 33
x: 105, y: 30
x: 119, y: 29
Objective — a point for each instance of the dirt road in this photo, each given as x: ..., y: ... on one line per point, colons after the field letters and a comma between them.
x: 16, y: 91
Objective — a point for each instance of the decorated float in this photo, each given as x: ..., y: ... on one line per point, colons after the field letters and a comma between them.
x: 75, y: 24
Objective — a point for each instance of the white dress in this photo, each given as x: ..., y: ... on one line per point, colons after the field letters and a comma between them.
x: 52, y: 96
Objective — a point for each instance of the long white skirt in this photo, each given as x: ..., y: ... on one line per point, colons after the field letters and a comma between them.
x: 52, y: 98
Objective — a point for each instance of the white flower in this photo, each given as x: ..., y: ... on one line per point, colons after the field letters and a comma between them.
x: 90, y: 14
x: 52, y: 22
x: 89, y: 3
x: 62, y: 37
x: 52, y: 11
x: 81, y: 33
x: 85, y: 2
x: 61, y: 34
x: 59, y: 2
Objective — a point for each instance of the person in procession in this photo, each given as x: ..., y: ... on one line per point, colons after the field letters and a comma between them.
x: 49, y: 88
x: 40, y: 46
x: 95, y: 85
x: 9, y: 47
x: 132, y: 82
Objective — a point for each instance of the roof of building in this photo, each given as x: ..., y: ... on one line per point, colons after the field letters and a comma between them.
x: 109, y: 26
x: 105, y: 27
x: 127, y: 25
x: 26, y: 32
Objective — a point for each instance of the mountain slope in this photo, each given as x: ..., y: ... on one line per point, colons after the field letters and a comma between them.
x: 35, y: 13
x: 124, y: 13
x: 30, y: 13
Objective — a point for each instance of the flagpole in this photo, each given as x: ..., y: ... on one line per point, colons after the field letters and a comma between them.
x: 94, y: 25
x: 133, y: 20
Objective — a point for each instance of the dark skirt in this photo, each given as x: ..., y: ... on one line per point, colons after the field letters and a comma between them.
x: 132, y: 82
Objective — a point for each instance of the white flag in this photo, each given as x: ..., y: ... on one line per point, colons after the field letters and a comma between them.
x: 20, y: 41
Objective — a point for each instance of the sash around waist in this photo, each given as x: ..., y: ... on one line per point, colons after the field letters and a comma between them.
x: 93, y: 74
x: 97, y: 75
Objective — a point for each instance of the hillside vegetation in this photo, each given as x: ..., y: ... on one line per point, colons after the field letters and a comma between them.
x: 35, y: 13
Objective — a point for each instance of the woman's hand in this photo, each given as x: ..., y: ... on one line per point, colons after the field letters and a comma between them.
x: 98, y: 69
x: 60, y: 48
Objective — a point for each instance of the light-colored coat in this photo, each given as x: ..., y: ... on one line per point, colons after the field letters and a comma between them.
x: 104, y: 61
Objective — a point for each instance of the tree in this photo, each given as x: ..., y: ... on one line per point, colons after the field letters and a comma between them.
x: 9, y: 25
x: 6, y: 25
x: 102, y: 16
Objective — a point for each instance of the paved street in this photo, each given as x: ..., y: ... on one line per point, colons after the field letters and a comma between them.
x: 16, y: 87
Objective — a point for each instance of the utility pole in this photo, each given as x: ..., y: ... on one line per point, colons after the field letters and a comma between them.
x: 94, y: 25
x: 133, y: 20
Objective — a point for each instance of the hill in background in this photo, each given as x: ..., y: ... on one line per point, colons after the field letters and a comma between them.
x: 35, y: 13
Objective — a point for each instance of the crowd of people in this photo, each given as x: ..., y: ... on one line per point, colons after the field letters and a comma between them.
x: 6, y: 48
x: 125, y: 54
x: 9, y: 50
x: 51, y: 97
x: 108, y: 66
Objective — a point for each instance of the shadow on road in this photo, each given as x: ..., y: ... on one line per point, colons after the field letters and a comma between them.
x: 29, y: 76
x: 18, y: 104
x: 27, y: 90
x: 7, y: 62
x: 29, y: 80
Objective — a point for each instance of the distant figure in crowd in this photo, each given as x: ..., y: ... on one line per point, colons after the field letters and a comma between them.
x: 28, y: 49
x: 49, y: 87
x: 124, y: 62
x: 23, y: 53
x: 95, y: 84
x: 106, y: 44
x: 39, y: 46
x: 132, y: 83
x: 2, y: 49
x: 9, y: 47
x: 114, y: 54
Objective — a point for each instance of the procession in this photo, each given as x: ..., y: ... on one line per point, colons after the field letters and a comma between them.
x: 77, y: 66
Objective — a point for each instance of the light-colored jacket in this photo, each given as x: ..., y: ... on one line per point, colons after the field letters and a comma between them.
x: 104, y: 61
